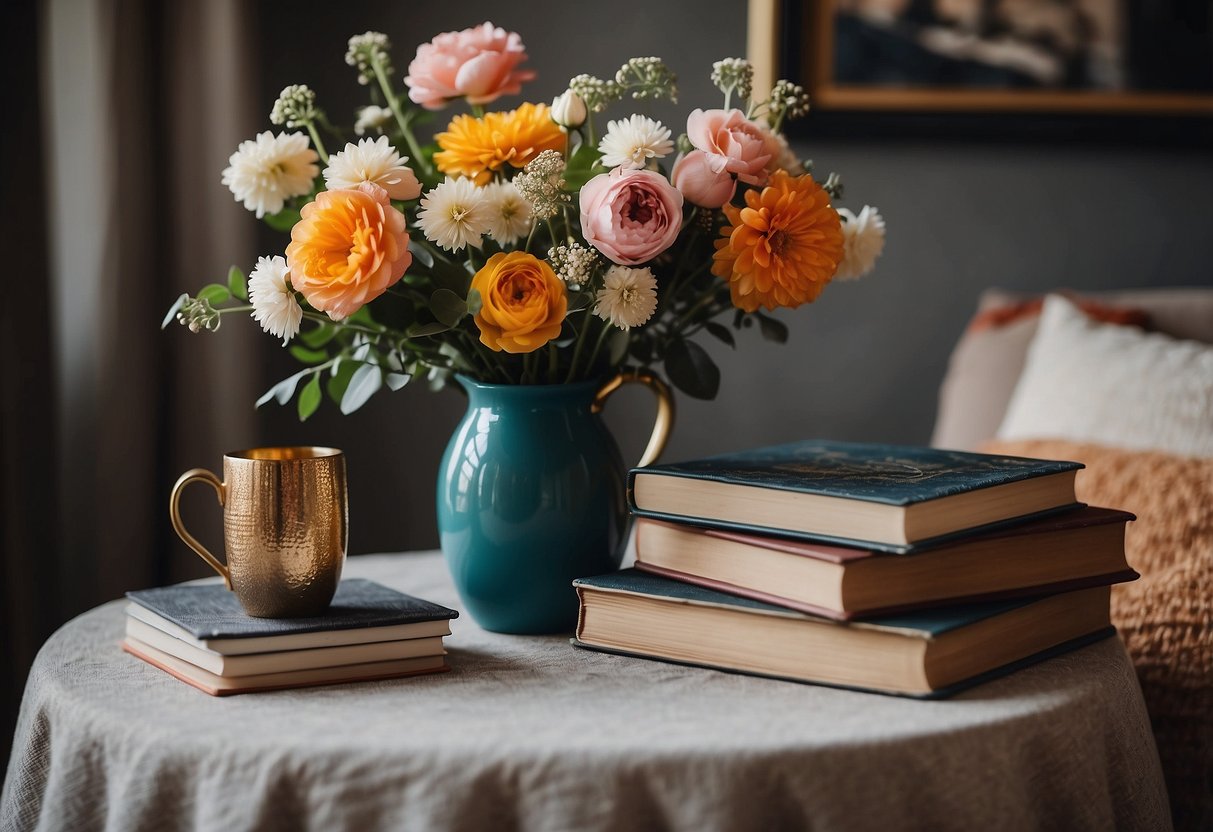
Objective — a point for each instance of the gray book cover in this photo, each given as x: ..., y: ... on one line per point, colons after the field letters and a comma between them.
x: 209, y: 611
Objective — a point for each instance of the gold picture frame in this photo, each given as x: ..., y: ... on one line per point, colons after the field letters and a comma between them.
x: 798, y: 37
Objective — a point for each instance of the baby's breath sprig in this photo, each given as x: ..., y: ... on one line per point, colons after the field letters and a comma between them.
x: 733, y: 75
x: 197, y: 314
x: 296, y: 107
x: 367, y: 50
x: 541, y: 183
x: 595, y: 92
x: 574, y: 264
x: 648, y: 78
x: 787, y: 100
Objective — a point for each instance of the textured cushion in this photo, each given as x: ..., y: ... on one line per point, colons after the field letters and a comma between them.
x: 987, y: 361
x: 1115, y: 385
x: 1166, y: 617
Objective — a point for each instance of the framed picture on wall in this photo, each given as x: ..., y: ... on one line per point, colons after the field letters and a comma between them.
x: 1070, y: 67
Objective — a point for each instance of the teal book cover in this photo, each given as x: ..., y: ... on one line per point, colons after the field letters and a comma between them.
x: 897, y: 475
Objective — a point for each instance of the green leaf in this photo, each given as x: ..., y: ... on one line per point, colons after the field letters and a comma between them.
x: 448, y: 307
x: 421, y: 254
x: 339, y: 380
x: 283, y: 390
x: 395, y: 381
x: 772, y: 329
x: 214, y: 293
x: 692, y: 370
x: 452, y: 276
x: 173, y: 310
x: 306, y: 356
x: 722, y: 332
x: 618, y: 346
x: 475, y: 301
x: 423, y: 330
x: 318, y: 337
x: 309, y: 398
x: 284, y: 220
x: 236, y: 283
x: 583, y: 165
x: 365, y: 383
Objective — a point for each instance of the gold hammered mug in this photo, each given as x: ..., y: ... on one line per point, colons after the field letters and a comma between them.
x: 285, y: 527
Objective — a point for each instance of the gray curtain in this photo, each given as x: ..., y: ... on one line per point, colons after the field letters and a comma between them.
x: 143, y: 102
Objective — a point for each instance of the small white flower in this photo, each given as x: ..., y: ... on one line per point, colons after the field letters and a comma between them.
x: 863, y: 242
x: 454, y: 214
x: 273, y: 300
x: 372, y: 117
x: 568, y: 109
x: 509, y: 215
x: 372, y: 160
x: 574, y: 264
x: 631, y: 143
x: 266, y: 171
x: 630, y: 297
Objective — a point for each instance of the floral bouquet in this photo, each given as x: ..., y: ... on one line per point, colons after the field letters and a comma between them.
x: 524, y: 246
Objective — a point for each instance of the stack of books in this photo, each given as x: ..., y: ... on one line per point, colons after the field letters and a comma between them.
x: 199, y: 634
x: 903, y: 570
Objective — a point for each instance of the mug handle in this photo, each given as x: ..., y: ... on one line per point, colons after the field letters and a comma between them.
x: 174, y: 512
x: 665, y: 408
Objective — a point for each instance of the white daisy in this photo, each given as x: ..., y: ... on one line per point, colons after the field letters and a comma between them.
x: 631, y: 143
x: 273, y: 300
x: 266, y: 171
x: 372, y: 160
x: 863, y: 241
x: 509, y: 215
x: 630, y: 297
x: 454, y: 214
x: 372, y: 117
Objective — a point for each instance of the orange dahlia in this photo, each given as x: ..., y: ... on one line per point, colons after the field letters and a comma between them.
x: 783, y: 247
x: 477, y: 147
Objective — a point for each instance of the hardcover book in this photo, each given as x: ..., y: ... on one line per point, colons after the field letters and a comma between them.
x: 930, y: 653
x: 889, y: 497
x: 1081, y: 548
x: 211, y: 612
x: 216, y: 685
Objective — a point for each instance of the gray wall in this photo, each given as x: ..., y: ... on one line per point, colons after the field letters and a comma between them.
x: 865, y: 361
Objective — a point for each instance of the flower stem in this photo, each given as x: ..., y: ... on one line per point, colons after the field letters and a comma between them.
x: 401, y: 120
x: 320, y: 151
x: 606, y: 328
x: 581, y: 339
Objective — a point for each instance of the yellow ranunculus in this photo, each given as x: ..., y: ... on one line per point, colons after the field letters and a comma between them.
x: 523, y: 302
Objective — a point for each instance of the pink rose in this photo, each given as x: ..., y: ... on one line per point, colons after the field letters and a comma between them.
x: 733, y: 143
x: 631, y: 216
x: 695, y: 177
x: 479, y: 64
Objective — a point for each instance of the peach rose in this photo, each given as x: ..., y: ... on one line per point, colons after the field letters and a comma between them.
x: 480, y: 64
x: 348, y: 248
x: 522, y: 302
x: 733, y: 143
x: 631, y: 216
x: 695, y: 177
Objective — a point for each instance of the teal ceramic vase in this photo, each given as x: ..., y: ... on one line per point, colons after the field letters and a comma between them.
x: 531, y: 496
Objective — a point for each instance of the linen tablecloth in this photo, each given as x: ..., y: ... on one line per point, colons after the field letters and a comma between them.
x: 532, y: 733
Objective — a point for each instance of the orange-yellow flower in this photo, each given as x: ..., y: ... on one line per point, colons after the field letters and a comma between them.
x: 783, y: 247
x: 477, y: 147
x: 348, y: 249
x: 523, y: 302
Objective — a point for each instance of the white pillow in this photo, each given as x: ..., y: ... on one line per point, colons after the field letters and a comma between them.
x: 1113, y: 385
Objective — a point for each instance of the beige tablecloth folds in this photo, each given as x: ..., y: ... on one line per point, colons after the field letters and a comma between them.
x: 532, y: 733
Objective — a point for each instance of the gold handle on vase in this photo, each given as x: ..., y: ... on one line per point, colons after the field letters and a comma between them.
x: 665, y: 409
x: 174, y: 511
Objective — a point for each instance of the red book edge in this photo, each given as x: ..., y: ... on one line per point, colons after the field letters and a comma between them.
x: 139, y: 654
x: 1118, y: 577
x: 1078, y: 519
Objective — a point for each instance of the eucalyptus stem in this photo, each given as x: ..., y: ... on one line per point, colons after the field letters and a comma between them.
x: 401, y: 120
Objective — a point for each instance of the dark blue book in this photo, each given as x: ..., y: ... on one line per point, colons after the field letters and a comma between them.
x: 931, y: 653
x: 362, y: 611
x: 887, y: 497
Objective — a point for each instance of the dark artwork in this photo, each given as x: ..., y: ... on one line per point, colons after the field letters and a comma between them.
x: 1061, y: 45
